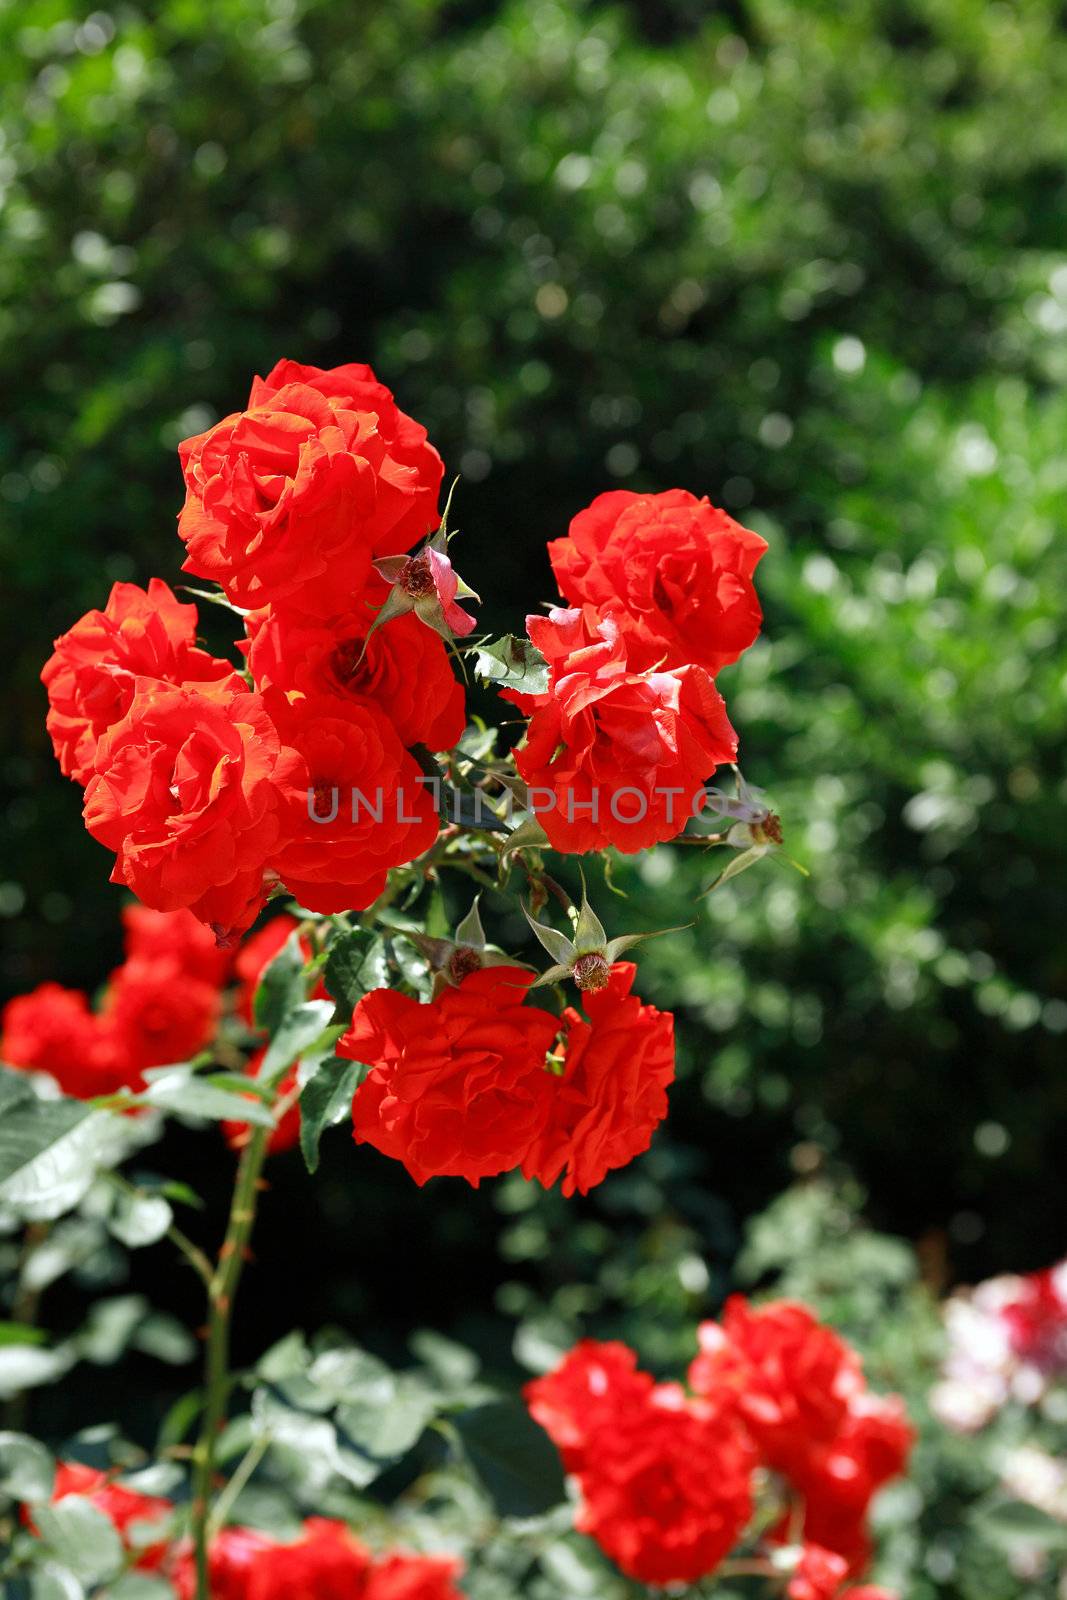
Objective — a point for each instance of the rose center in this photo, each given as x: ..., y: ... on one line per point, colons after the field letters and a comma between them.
x: 591, y: 972
x: 347, y: 660
x: 416, y: 579
x: 462, y: 962
x: 767, y: 829
x: 323, y: 800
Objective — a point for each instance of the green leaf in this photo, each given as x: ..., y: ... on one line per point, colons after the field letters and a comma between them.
x: 179, y: 1419
x: 161, y: 1478
x: 452, y: 1364
x: 26, y: 1366
x: 15, y: 1089
x: 71, y: 1243
x: 470, y: 930
x: 179, y: 1090
x: 529, y: 835
x: 541, y: 1342
x: 326, y: 1100
x: 471, y: 810
x: 1010, y: 1524
x: 137, y: 1220
x: 309, y: 1444
x: 81, y: 1537
x: 342, y: 1372
x: 21, y: 1333
x: 139, y: 1586
x: 411, y: 964
x: 589, y: 932
x: 356, y: 963
x: 741, y: 863
x: 27, y: 1471
x: 299, y: 1029
x: 181, y: 1194
x: 50, y: 1150
x: 512, y: 663
x: 52, y: 1581
x: 110, y: 1327
x: 281, y: 985
x: 513, y: 1457
x: 388, y: 1419
x: 164, y: 1337
x: 557, y: 944
x: 286, y: 1359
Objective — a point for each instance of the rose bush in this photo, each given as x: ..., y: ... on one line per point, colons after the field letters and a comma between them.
x: 334, y: 770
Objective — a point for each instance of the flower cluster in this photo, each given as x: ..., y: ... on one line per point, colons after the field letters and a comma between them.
x: 214, y: 787
x: 161, y: 1005
x: 1007, y: 1340
x: 667, y: 1476
x: 198, y: 777
x: 477, y: 1082
x: 801, y: 1393
x: 326, y: 1562
x: 631, y: 724
x: 665, y: 1479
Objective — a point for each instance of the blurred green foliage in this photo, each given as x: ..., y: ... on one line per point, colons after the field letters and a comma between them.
x: 807, y: 258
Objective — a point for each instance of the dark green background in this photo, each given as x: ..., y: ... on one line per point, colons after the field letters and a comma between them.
x: 810, y: 259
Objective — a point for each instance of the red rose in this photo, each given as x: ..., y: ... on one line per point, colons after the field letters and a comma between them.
x: 459, y: 1086
x: 400, y: 1576
x: 591, y: 1385
x: 665, y: 1481
x: 90, y: 677
x: 286, y: 1132
x: 232, y: 1558
x: 666, y: 1491
x: 819, y: 1574
x: 405, y: 671
x: 53, y: 1030
x: 184, y: 795
x: 674, y: 571
x: 613, y: 1092
x: 838, y: 1480
x: 325, y: 1563
x: 794, y: 1378
x: 1036, y: 1316
x: 622, y: 754
x: 157, y: 1014
x: 130, y: 1513
x: 802, y: 1396
x: 351, y: 802
x: 46, y: 1030
x: 294, y: 496
x: 176, y: 936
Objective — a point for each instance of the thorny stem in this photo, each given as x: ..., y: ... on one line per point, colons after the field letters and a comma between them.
x: 221, y: 1292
